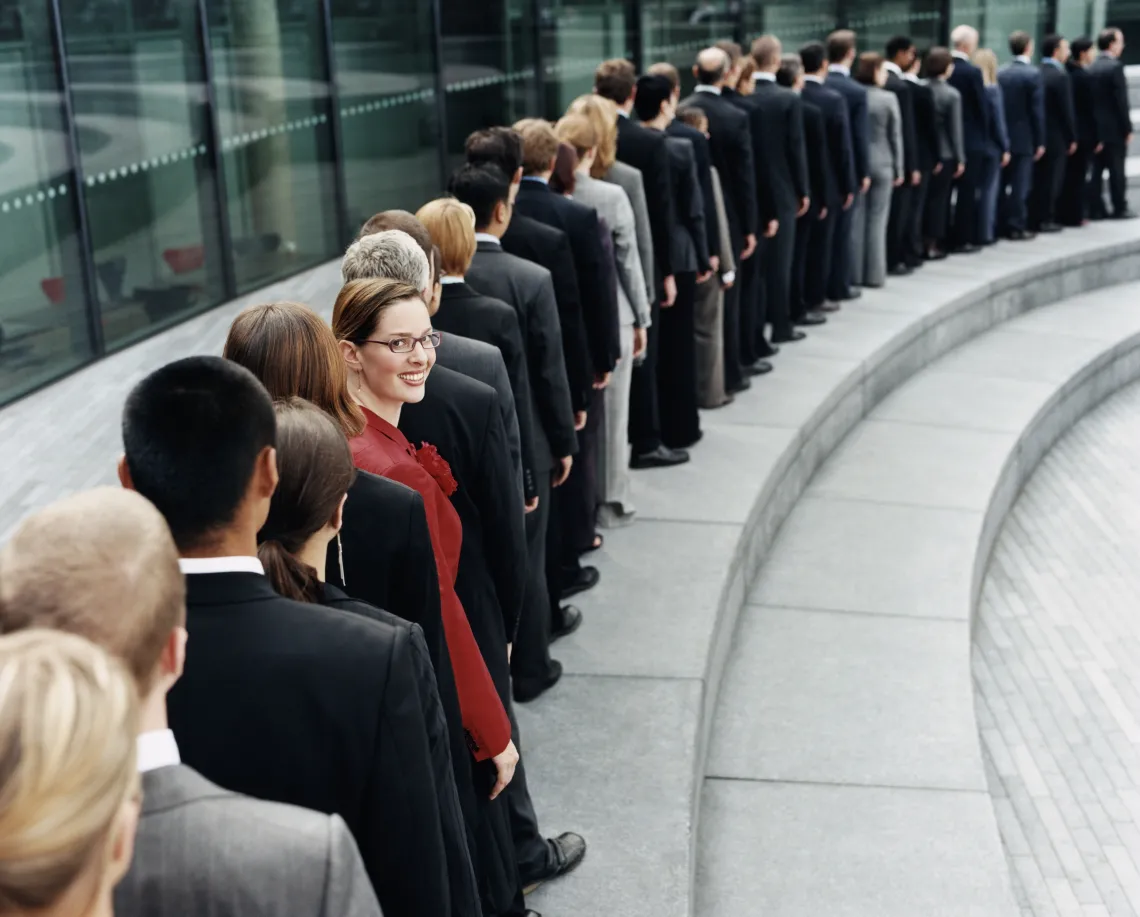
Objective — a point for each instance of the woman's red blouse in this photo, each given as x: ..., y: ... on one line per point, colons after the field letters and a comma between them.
x: 382, y: 449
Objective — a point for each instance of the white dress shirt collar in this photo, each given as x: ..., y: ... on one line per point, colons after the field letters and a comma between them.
x: 840, y: 69
x: 812, y: 78
x: 191, y: 565
x: 541, y: 181
x: 486, y: 237
x: 911, y: 77
x: 156, y: 749
x: 1022, y: 59
x: 715, y: 90
x: 450, y: 280
x: 960, y: 55
x: 765, y: 76
x: 1053, y: 62
x: 893, y: 67
x: 622, y: 113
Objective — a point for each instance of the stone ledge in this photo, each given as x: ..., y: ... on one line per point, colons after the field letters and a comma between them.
x: 714, y: 520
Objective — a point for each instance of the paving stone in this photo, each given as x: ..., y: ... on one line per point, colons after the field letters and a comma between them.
x: 960, y: 400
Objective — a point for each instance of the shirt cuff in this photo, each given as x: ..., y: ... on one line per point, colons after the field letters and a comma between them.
x: 728, y: 277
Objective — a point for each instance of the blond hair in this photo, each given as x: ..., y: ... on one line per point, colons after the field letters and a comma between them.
x: 539, y: 145
x: 451, y: 224
x: 578, y: 131
x: 101, y: 564
x: 603, y: 115
x: 986, y: 61
x: 68, y: 722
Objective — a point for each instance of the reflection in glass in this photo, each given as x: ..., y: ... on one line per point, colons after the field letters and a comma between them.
x: 576, y: 35
x: 676, y: 31
x: 139, y: 99
x: 43, y: 321
x: 385, y: 74
x: 274, y: 118
x: 795, y: 23
x: 875, y: 23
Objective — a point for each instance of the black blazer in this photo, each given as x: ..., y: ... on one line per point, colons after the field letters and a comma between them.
x: 703, y: 159
x: 549, y: 247
x: 320, y: 708
x: 1060, y: 114
x: 819, y: 170
x: 904, y: 92
x: 1084, y: 102
x: 776, y: 120
x: 976, y: 127
x: 1113, y: 116
x: 529, y: 289
x: 539, y: 201
x: 730, y: 149
x: 926, y: 128
x: 465, y: 312
x: 1023, y: 100
x: 855, y: 95
x: 690, y: 249
x: 837, y: 124
x: 644, y: 149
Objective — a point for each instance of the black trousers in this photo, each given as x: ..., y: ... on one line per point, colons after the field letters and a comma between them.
x: 936, y: 225
x: 779, y: 253
x: 1048, y: 176
x: 1111, y: 159
x: 1013, y: 200
x: 898, y: 223
x: 817, y: 258
x: 530, y: 659
x: 753, y: 300
x: 964, y: 226
x: 730, y: 327
x: 915, y: 239
x: 677, y: 367
x: 796, y: 289
x: 839, y: 275
x: 533, y: 852
x: 577, y: 502
x: 644, y: 418
x: 1073, y: 205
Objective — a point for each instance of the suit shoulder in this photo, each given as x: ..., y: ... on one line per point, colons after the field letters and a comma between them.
x: 383, y: 492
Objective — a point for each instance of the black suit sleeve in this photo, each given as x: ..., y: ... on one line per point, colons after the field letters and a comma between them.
x: 797, y: 154
x: 599, y: 298
x: 744, y: 172
x: 693, y: 213
x: 979, y: 87
x: 708, y: 202
x: 548, y: 372
x: 1068, y: 110
x: 765, y: 179
x: 575, y: 348
x: 662, y: 214
x: 509, y: 339
x: 816, y: 148
x: 845, y: 165
x: 859, y: 139
x: 415, y: 583
x: 1120, y: 98
x: 910, y: 135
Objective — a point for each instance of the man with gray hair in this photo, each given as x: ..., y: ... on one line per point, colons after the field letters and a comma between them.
x: 392, y: 254
x: 965, y: 233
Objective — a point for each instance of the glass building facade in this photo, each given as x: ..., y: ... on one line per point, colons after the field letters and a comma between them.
x: 159, y: 157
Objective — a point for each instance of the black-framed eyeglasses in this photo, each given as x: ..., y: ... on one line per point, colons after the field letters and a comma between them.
x: 406, y: 345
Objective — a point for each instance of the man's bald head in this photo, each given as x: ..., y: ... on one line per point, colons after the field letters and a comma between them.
x: 101, y: 564
x: 711, y: 67
x: 766, y: 51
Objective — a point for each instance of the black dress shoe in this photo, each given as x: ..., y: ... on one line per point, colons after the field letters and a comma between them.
x: 1021, y: 235
x: 851, y: 294
x: 901, y: 270
x: 525, y: 690
x: 765, y: 351
x: 742, y: 386
x: 567, y: 852
x: 968, y: 249
x: 829, y: 306
x: 1125, y: 215
x: 936, y: 254
x: 571, y: 620
x: 810, y: 318
x: 757, y: 368
x: 585, y: 579
x: 792, y: 336
x: 1050, y: 227
x: 661, y: 457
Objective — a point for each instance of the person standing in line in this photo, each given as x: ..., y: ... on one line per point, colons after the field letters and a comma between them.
x: 926, y: 131
x: 1114, y: 123
x: 997, y: 153
x: 1023, y: 99
x: 887, y: 166
x: 899, y: 54
x: 1073, y: 208
x: 1060, y: 135
x: 976, y: 128
x: 951, y: 150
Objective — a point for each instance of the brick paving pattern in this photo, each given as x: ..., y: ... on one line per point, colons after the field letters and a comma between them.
x: 1056, y: 662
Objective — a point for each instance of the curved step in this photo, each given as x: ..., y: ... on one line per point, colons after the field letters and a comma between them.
x: 619, y: 752
x: 846, y: 755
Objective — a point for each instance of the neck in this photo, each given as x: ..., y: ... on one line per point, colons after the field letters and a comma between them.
x: 495, y: 229
x: 545, y: 176
x: 659, y: 123
x: 627, y: 105
x: 314, y: 552
x: 236, y: 542
x: 389, y: 410
x: 152, y: 717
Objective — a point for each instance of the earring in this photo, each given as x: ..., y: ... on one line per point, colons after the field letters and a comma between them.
x: 340, y: 559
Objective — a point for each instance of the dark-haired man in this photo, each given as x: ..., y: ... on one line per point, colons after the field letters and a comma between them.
x: 1023, y: 98
x: 929, y: 158
x: 899, y: 55
x: 277, y: 694
x: 1114, y: 123
x: 1072, y: 209
x: 730, y: 144
x: 1060, y: 135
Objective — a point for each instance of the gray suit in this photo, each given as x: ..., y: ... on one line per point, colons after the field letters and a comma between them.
x: 885, y: 164
x: 948, y: 115
x: 709, y: 315
x: 205, y: 851
x: 630, y: 181
x: 484, y: 363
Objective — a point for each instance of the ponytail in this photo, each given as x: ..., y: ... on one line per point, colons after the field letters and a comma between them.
x: 290, y: 576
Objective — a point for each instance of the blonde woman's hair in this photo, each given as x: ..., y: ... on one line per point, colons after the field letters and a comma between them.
x: 68, y: 723
x: 452, y: 227
x: 578, y: 131
x: 986, y: 61
x: 602, y: 114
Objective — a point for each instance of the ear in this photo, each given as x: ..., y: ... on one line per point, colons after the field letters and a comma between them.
x: 351, y: 357
x: 122, y: 848
x: 172, y: 661
x: 265, y: 474
x: 337, y: 521
x: 518, y: 176
x: 502, y: 213
x: 125, y: 473
x: 553, y: 160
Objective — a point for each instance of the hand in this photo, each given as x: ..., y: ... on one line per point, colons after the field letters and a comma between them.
x: 898, y: 181
x: 937, y: 168
x: 849, y: 201
x: 1127, y: 139
x: 640, y: 341
x: 560, y: 476
x: 530, y: 506
x: 916, y: 178
x: 600, y: 382
x: 866, y: 186
x: 670, y: 291
x: 958, y: 171
x: 1005, y: 157
x: 1099, y: 148
x: 505, y: 763
x: 701, y: 278
x: 805, y: 203
x: 749, y: 245
x: 579, y: 420
x: 823, y: 213
x: 772, y: 228
x: 510, y: 646
x: 714, y: 262
x: 727, y: 284
x: 1038, y: 153
x: 1072, y: 148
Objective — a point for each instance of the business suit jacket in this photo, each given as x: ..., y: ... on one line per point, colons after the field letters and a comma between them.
x: 967, y: 79
x: 703, y: 158
x: 1023, y: 97
x: 730, y: 149
x: 319, y: 708
x: 539, y: 201
x: 688, y: 237
x: 925, y: 127
x: 205, y: 851
x: 776, y: 122
x: 904, y: 92
x: 1084, y: 101
x: 469, y: 314
x: 999, y: 137
x: 837, y: 124
x: 855, y: 95
x: 1060, y: 113
x: 528, y: 288
x: 550, y: 248
x: 821, y: 181
x: 630, y: 181
x: 887, y: 156
x: 1113, y: 116
x: 484, y: 363
x: 645, y: 151
x: 948, y: 121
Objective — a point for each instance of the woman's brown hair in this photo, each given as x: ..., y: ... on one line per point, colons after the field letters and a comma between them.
x: 603, y: 116
x: 564, y: 178
x: 360, y: 303
x: 452, y: 227
x: 867, y: 67
x: 294, y: 353
x: 314, y: 464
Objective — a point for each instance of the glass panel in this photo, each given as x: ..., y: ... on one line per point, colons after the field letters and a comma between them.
x: 576, y: 36
x: 675, y: 31
x: 1074, y: 18
x: 876, y: 22
x: 274, y: 111
x: 385, y: 72
x: 996, y: 19
x: 43, y: 319
x: 795, y: 23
